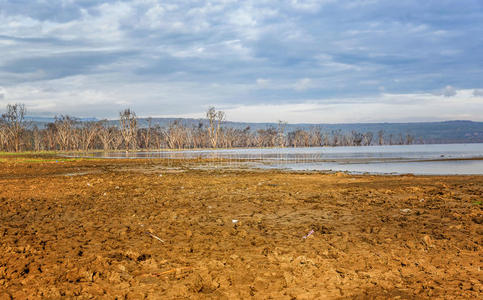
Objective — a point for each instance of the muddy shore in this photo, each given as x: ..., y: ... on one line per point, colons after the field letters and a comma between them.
x: 143, y: 229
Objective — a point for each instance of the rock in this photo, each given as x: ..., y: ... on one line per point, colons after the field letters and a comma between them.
x: 427, y: 241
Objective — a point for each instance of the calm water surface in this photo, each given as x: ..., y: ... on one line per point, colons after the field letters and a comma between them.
x: 437, y: 159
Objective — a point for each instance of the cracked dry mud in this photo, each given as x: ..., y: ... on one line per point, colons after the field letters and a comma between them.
x: 92, y: 234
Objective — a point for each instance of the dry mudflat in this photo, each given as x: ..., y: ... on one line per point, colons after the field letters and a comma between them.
x: 139, y: 229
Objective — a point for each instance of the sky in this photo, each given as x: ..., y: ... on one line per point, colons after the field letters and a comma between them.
x: 301, y: 61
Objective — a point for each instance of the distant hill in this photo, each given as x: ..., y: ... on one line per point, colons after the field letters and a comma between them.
x: 427, y: 132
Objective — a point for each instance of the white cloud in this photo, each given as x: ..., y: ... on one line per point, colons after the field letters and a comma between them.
x: 327, y: 62
x: 101, y: 96
x: 303, y: 84
x: 447, y: 91
x: 385, y: 108
x: 309, y: 5
x: 263, y: 83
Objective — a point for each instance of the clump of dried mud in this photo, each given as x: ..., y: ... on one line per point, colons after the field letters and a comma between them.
x: 94, y: 229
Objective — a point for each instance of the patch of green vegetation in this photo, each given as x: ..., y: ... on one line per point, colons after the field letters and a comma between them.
x: 477, y: 202
x: 26, y: 153
x: 38, y: 157
x: 43, y: 160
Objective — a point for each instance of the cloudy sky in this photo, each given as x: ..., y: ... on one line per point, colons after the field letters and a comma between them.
x: 323, y: 61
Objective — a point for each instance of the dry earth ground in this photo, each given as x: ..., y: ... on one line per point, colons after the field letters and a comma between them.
x: 90, y: 229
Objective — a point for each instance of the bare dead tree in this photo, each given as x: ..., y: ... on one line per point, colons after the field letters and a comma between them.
x: 87, y: 133
x: 109, y: 136
x: 215, y: 119
x: 64, y: 129
x: 66, y: 133
x: 367, y: 139
x: 257, y: 139
x: 409, y: 139
x: 296, y: 138
x: 158, y: 137
x: 270, y: 136
x: 129, y: 126
x: 391, y: 137
x: 336, y: 137
x: 325, y: 139
x: 380, y: 137
x: 117, y: 138
x: 146, y: 134
x: 315, y: 136
x: 281, y: 133
x: 36, y: 139
x: 15, y: 123
x: 245, y: 137
x: 105, y: 135
x: 299, y: 138
x: 3, y: 135
x: 355, y: 138
x: 199, y: 135
x: 176, y: 135
x: 228, y: 137
x: 50, y: 136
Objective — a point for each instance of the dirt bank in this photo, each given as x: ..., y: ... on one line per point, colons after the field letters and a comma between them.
x: 138, y: 229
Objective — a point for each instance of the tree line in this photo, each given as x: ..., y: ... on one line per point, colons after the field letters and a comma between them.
x: 68, y: 133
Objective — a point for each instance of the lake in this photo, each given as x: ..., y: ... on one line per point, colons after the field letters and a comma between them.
x: 431, y: 159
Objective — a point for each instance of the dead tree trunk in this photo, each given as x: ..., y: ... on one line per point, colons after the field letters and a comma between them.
x: 215, y: 119
x: 15, y: 123
x: 128, y: 125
